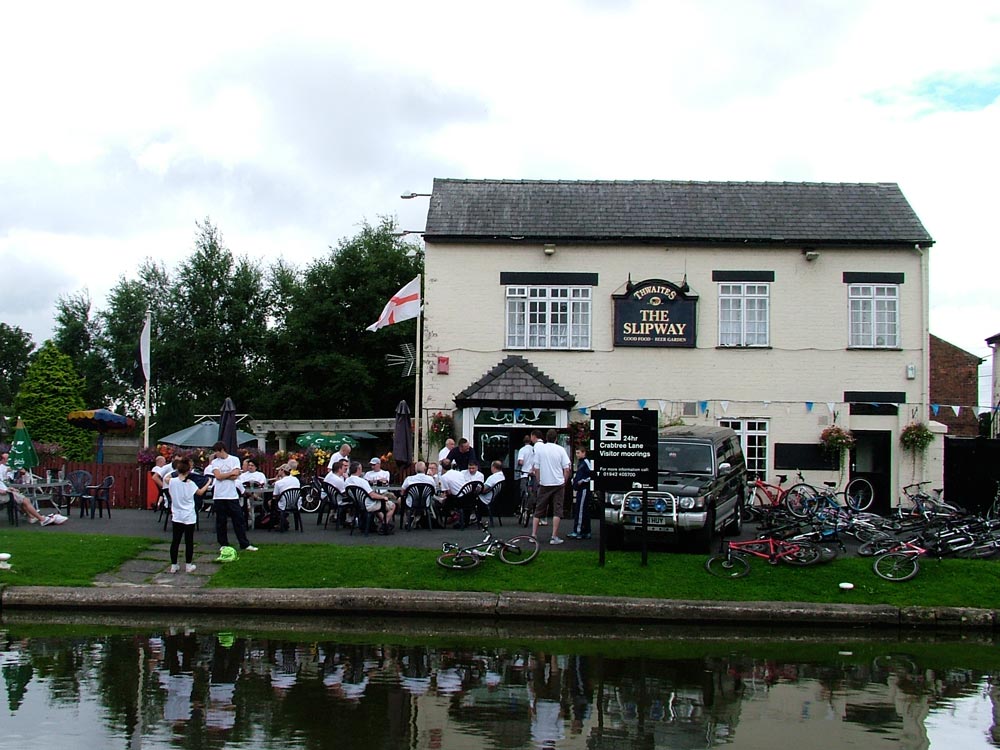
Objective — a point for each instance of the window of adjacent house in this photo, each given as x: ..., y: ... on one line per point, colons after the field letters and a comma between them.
x: 753, y: 438
x: 540, y: 317
x: 874, y: 313
x: 743, y: 314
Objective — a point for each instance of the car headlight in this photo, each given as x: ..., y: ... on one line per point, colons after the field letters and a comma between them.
x: 661, y: 505
x: 635, y: 504
x: 686, y: 503
x: 615, y: 500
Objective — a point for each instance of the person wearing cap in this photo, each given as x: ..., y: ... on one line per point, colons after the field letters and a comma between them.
x: 373, y: 501
x: 376, y: 475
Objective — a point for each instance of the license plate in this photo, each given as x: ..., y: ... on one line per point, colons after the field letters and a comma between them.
x: 651, y: 520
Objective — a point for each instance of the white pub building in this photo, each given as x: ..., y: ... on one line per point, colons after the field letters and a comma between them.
x: 777, y: 309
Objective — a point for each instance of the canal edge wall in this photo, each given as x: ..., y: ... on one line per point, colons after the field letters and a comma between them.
x: 505, y: 605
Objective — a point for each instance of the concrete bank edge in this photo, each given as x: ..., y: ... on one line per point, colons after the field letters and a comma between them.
x: 506, y: 605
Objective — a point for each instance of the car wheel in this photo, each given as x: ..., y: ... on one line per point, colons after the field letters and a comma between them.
x: 735, y: 525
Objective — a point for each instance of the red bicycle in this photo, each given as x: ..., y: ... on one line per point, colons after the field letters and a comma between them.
x: 762, y: 497
x: 733, y: 561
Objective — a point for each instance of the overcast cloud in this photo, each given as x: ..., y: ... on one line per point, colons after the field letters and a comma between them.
x: 288, y: 124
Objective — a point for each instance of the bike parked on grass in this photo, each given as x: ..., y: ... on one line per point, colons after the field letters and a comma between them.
x: 900, y: 564
x: 733, y: 562
x: 517, y: 550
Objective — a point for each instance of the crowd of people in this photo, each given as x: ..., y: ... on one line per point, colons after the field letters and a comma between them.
x: 21, y: 502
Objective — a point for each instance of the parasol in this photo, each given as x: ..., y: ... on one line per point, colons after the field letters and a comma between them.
x: 103, y: 422
x: 325, y: 440
x: 203, y: 435
x: 227, y: 425
x: 22, y: 452
x: 402, y: 435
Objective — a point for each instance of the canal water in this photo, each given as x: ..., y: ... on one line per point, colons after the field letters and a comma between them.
x: 127, y: 682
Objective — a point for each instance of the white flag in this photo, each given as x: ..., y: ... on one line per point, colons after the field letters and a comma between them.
x: 403, y: 305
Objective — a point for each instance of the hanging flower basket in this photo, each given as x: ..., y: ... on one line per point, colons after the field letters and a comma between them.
x: 836, y: 440
x: 442, y: 426
x: 915, y: 437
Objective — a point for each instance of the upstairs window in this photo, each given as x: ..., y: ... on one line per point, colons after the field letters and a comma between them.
x: 874, y: 316
x: 543, y: 317
x: 744, y: 315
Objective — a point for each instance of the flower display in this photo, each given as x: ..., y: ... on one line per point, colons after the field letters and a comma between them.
x: 916, y: 436
x: 442, y: 426
x: 836, y: 439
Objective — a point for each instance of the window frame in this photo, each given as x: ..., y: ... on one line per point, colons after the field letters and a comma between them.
x: 876, y: 296
x: 757, y: 455
x: 548, y: 317
x: 760, y: 296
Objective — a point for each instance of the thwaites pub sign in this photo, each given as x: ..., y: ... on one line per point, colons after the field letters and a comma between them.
x: 655, y: 312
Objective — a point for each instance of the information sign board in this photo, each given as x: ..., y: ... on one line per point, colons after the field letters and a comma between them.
x: 624, y: 444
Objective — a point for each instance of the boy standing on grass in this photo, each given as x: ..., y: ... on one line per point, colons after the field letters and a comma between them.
x: 182, y: 491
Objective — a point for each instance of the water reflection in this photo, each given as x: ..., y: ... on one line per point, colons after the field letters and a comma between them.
x: 208, y: 688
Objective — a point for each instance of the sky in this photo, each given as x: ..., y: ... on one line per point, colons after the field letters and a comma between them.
x: 289, y: 124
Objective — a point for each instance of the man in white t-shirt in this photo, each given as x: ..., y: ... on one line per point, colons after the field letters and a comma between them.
x: 376, y: 475
x: 344, y: 454
x: 551, y: 468
x: 24, y: 504
x: 449, y: 446
x: 421, y: 477
x: 225, y: 470
x: 285, y: 481
x: 160, y: 471
x: 472, y: 474
x: 374, y: 501
x: 4, y: 466
x: 336, y: 477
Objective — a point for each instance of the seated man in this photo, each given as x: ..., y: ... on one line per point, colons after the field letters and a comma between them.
x: 377, y: 475
x: 374, y: 501
x: 472, y: 474
x: 496, y: 474
x: 25, y: 505
x: 336, y: 478
x: 252, y: 474
x: 421, y: 477
x: 284, y: 481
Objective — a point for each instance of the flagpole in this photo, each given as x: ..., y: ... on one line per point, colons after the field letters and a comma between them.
x: 418, y: 432
x: 145, y: 421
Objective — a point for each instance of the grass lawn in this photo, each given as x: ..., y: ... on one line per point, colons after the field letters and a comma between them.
x: 63, y: 559
x: 971, y: 583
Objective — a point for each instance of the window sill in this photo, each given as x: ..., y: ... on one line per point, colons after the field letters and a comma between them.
x: 874, y: 348
x: 522, y: 349
x: 743, y: 348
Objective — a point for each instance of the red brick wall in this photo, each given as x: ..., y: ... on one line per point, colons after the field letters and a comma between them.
x: 954, y: 380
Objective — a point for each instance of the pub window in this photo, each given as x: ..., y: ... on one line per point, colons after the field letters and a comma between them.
x: 548, y: 317
x: 744, y: 318
x: 874, y: 316
x: 753, y: 438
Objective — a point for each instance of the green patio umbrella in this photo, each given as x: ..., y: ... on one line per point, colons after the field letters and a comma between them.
x: 22, y: 452
x: 325, y: 440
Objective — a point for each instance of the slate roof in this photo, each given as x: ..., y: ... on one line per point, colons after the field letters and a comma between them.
x: 744, y: 212
x: 515, y: 379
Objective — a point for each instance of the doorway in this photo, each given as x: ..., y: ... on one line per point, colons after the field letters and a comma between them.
x: 871, y: 459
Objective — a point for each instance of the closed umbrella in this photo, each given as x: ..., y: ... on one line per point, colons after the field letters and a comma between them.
x: 325, y: 440
x: 103, y: 422
x: 22, y: 452
x: 402, y: 435
x: 227, y: 425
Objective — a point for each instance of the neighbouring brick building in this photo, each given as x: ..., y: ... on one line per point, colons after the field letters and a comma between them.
x: 954, y: 382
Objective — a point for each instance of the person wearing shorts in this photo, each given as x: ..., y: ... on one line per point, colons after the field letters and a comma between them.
x: 551, y: 467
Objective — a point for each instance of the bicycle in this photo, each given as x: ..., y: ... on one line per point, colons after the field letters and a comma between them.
x: 857, y: 495
x: 526, y: 497
x: 732, y: 562
x: 763, y: 497
x: 900, y: 564
x: 518, y: 550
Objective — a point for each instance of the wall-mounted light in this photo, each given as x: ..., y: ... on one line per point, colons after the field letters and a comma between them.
x: 810, y: 254
x: 408, y: 195
x: 549, y: 249
x: 911, y: 371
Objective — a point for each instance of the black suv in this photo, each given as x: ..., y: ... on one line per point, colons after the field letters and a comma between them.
x: 702, y: 478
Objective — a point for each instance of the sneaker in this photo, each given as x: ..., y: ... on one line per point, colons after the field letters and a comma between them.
x: 35, y: 520
x: 46, y: 521
x: 573, y: 535
x: 556, y: 540
x: 585, y: 536
x: 58, y: 519
x: 190, y: 568
x: 543, y: 522
x: 249, y: 548
x: 174, y: 568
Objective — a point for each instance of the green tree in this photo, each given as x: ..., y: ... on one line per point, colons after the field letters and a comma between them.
x: 51, y: 389
x: 326, y: 363
x: 77, y: 335
x: 15, y: 349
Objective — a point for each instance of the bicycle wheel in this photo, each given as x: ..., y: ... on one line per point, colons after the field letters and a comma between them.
x: 519, y: 550
x: 757, y: 503
x: 458, y: 560
x: 727, y: 566
x: 896, y: 566
x: 311, y: 501
x: 800, y: 500
x: 859, y: 494
x: 799, y: 553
